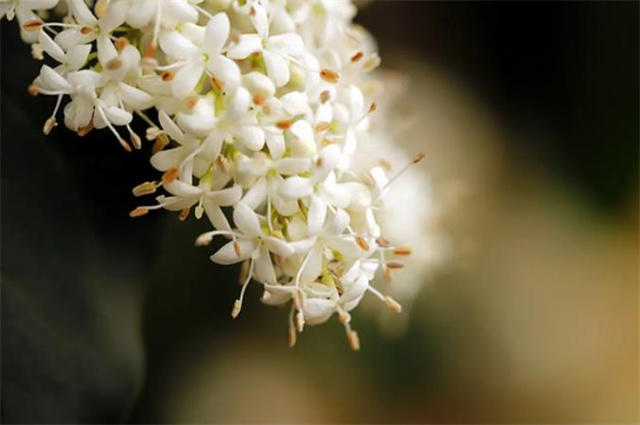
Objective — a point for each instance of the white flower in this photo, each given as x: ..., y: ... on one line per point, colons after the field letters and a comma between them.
x: 24, y: 10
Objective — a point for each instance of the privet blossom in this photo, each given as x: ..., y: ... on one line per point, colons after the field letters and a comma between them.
x: 255, y: 108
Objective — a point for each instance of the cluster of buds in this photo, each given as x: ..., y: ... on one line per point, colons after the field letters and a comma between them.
x: 255, y: 108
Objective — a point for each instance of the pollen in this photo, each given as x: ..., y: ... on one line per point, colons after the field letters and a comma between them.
x: 354, y: 340
x: 329, y: 76
x: 362, y: 243
x: 357, y: 56
x: 146, y: 188
x: 170, y: 176
x: 139, y: 212
x: 373, y: 107
x: 191, y: 102
x: 216, y: 83
x: 114, y: 64
x: 184, y: 213
x: 284, y: 125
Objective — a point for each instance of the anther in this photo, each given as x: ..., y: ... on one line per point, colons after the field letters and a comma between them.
x: 354, y: 341
x: 237, y: 306
x: 418, y: 158
x: 204, y: 239
x: 382, y: 242
x: 126, y: 146
x: 373, y: 107
x: 372, y: 62
x: 184, y: 213
x: 284, y: 125
x: 191, y: 102
x: 114, y: 64
x: 161, y: 141
x: 395, y: 264
x: 146, y: 188
x: 329, y: 76
x: 48, y: 125
x: 33, y: 25
x: 170, y: 175
x: 387, y: 274
x: 216, y: 83
x: 85, y: 30
x: 138, y: 212
x: 33, y: 90
x: 300, y: 321
x: 83, y: 131
x: 325, y: 96
x: 121, y: 43
x: 357, y: 56
x: 392, y: 304
x: 362, y: 243
x: 167, y: 76
x: 37, y: 52
x: 292, y: 336
x: 343, y: 316
x: 236, y: 248
x: 135, y: 140
x: 258, y: 100
x: 402, y: 250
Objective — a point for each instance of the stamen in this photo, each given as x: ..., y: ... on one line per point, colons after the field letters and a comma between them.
x: 329, y: 76
x: 167, y: 76
x: 372, y: 62
x: 373, y: 107
x: 33, y: 90
x: 292, y: 328
x: 415, y: 160
x: 343, y: 316
x: 139, y: 212
x: 170, y: 176
x: 146, y: 188
x: 236, y: 248
x: 85, y: 30
x: 402, y: 250
x: 101, y: 8
x: 325, y: 96
x: 387, y: 274
x: 216, y: 83
x: 37, y: 52
x: 392, y: 304
x: 418, y: 157
x: 48, y: 125
x: 237, y: 305
x: 135, y: 139
x: 258, y: 100
x: 83, y: 131
x: 121, y: 43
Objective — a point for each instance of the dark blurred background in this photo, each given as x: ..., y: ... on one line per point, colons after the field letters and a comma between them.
x: 531, y: 107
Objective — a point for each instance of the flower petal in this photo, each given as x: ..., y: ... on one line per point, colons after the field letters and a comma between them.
x: 263, y: 268
x: 216, y: 33
x: 277, y: 68
x: 135, y: 98
x: 226, y: 197
x: 224, y: 70
x: 228, y: 255
x: 289, y: 166
x: 186, y: 79
x: 247, y: 44
x: 246, y: 220
x: 296, y: 187
x: 50, y: 46
x: 170, y: 127
x: 215, y: 215
x: 316, y: 215
x: 317, y: 310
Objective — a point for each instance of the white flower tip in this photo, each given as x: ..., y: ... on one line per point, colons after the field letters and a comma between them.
x: 48, y: 125
x: 392, y: 304
x: 354, y: 340
x: 237, y: 306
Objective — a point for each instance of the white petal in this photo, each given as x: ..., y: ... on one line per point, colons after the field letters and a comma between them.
x: 256, y: 195
x: 347, y: 246
x: 289, y: 44
x: 196, y: 124
x: 82, y: 13
x: 317, y: 310
x: 216, y: 33
x: 316, y: 215
x: 170, y: 127
x: 303, y: 142
x: 258, y: 84
x: 51, y: 47
x: 77, y: 56
x: 329, y: 157
x: 247, y: 44
x: 226, y: 197
x: 224, y: 70
x: 106, y: 49
x: 54, y: 81
x: 228, y: 255
x: 259, y: 19
x: 135, y: 98
x: 246, y: 220
x: 175, y: 44
x: 277, y: 68
x: 289, y: 166
x: 215, y: 215
x: 176, y: 11
x: 116, y: 14
x: 275, y: 143
x: 182, y: 189
x: 295, y: 103
x: 356, y: 102
x: 212, y: 145
x: 313, y: 267
x: 117, y: 116
x: 264, y: 271
x: 278, y: 246
x: 141, y: 12
x: 337, y: 222
x: 168, y: 158
x: 296, y: 187
x: 239, y: 104
x: 251, y: 136
x: 303, y: 246
x: 186, y: 79
x: 355, y: 290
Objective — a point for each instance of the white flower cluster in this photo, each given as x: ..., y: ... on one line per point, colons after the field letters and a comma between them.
x: 260, y: 106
